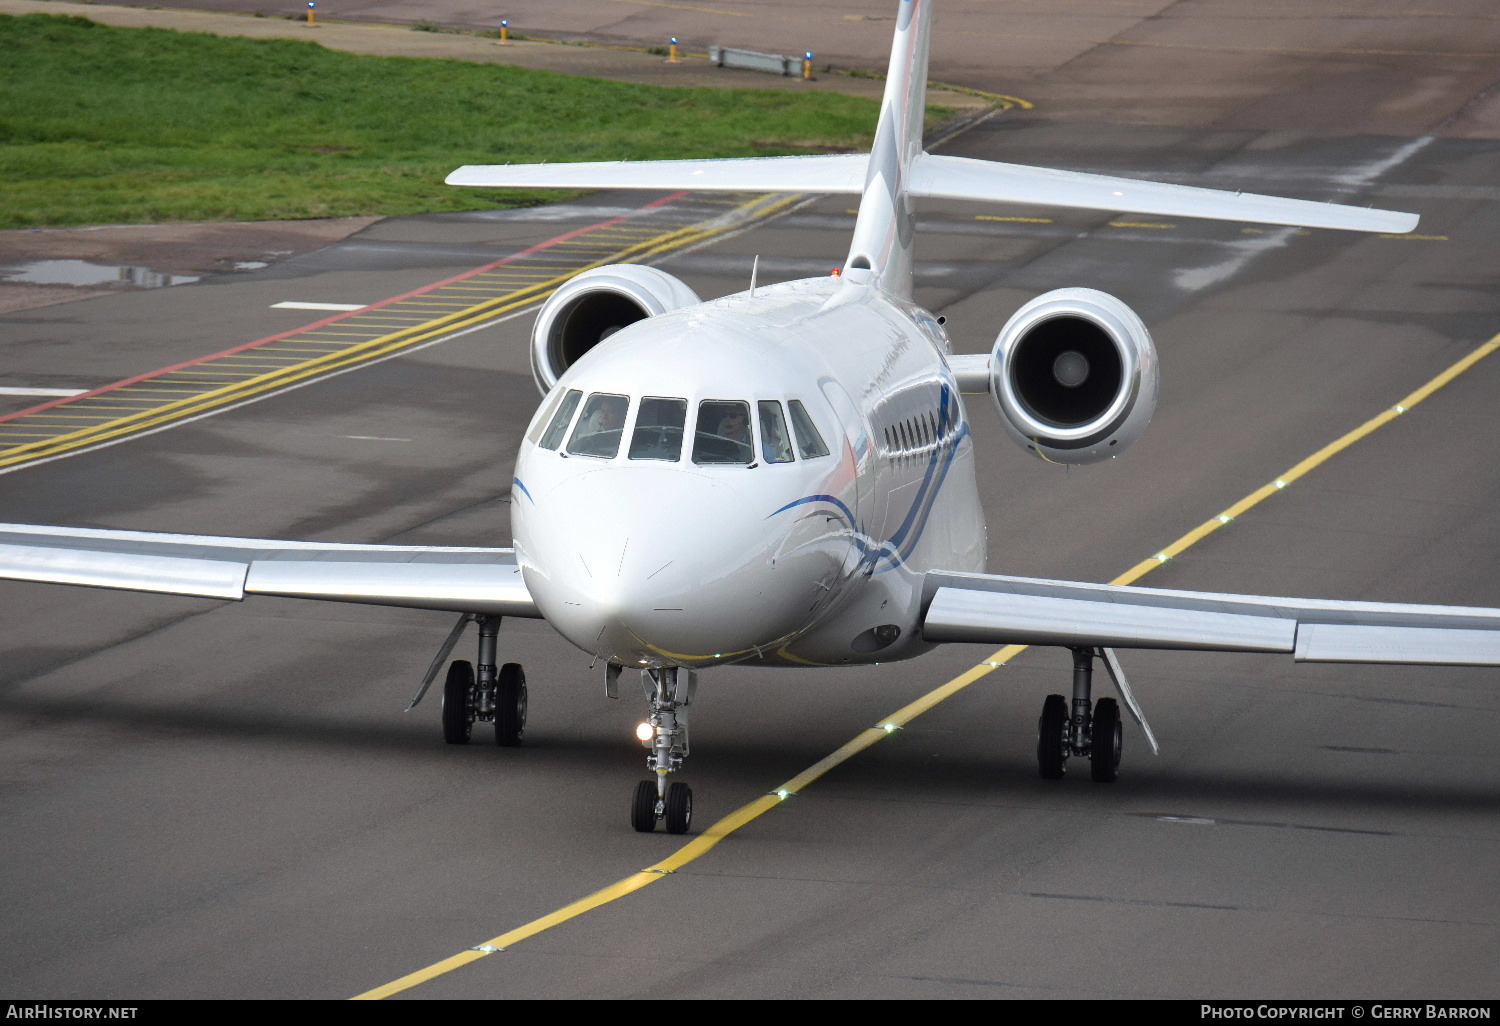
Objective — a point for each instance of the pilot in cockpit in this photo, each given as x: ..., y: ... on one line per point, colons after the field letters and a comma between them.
x: 735, y: 424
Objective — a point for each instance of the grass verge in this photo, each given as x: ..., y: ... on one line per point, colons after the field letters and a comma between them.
x: 103, y: 125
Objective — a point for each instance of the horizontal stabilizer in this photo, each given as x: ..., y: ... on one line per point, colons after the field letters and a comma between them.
x: 815, y: 173
x: 986, y: 180
x: 991, y: 609
x: 938, y: 177
x: 460, y: 580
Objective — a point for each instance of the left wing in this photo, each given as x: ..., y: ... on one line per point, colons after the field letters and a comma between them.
x: 992, y: 609
x: 460, y: 580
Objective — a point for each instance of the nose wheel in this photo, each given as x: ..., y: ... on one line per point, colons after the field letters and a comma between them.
x: 668, y: 693
x: 674, y: 809
x: 1093, y: 730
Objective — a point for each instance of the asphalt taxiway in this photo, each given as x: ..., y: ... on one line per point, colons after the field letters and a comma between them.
x: 227, y: 801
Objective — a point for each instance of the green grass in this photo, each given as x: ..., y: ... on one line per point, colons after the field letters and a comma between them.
x: 102, y: 125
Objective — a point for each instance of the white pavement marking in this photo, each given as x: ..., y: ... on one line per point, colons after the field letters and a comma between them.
x: 289, y: 305
x: 42, y: 391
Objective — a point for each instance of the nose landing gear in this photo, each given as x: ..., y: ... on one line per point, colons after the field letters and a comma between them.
x: 668, y: 693
x: 1093, y: 731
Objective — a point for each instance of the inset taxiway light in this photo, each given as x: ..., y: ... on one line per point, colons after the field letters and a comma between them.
x: 1280, y: 483
x: 1399, y: 409
x: 889, y: 728
x: 1224, y: 518
x: 644, y: 732
x: 1162, y: 557
x: 783, y: 793
x: 807, y: 56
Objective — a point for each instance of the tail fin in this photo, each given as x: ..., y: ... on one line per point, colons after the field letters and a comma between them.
x: 883, y: 233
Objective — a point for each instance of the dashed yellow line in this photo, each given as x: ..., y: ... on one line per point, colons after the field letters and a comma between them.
x: 704, y: 842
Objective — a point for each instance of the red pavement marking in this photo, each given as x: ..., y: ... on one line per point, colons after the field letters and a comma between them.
x: 341, y: 316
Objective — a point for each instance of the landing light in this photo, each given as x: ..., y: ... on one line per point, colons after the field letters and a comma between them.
x: 644, y: 732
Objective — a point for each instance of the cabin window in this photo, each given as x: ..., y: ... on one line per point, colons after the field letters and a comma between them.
x: 599, y: 429
x: 810, y: 444
x: 723, y: 433
x: 560, y: 420
x: 775, y: 443
x: 658, y: 430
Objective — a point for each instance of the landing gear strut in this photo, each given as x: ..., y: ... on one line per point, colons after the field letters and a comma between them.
x: 492, y: 695
x: 1092, y: 731
x: 668, y: 693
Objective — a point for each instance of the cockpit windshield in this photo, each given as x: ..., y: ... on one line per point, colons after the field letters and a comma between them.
x: 810, y: 444
x: 658, y: 430
x: 561, y: 418
x: 723, y: 433
x: 775, y: 445
x: 598, y: 431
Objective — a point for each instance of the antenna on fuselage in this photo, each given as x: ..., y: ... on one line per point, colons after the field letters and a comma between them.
x: 754, y: 271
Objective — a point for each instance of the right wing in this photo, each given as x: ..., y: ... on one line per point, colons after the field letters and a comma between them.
x: 992, y: 609
x: 460, y: 580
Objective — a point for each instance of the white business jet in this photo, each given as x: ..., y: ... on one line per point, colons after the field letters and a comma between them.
x: 786, y: 477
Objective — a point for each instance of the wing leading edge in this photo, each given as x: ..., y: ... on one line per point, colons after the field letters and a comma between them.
x: 461, y: 580
x: 992, y: 609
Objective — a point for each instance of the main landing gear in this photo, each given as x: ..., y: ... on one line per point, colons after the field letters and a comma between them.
x: 1092, y: 731
x: 492, y: 695
x: 668, y: 693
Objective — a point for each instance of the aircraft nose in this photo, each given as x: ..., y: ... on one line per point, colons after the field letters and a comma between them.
x: 648, y: 566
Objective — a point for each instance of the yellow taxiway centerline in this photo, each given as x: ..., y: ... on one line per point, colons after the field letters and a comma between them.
x: 705, y: 841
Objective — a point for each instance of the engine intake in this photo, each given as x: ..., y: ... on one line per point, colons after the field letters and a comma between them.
x: 1074, y: 375
x: 589, y: 308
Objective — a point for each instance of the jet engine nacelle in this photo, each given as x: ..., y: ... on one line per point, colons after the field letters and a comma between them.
x: 593, y: 306
x: 1074, y: 375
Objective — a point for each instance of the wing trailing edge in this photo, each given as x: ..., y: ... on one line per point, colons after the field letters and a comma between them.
x: 999, y: 610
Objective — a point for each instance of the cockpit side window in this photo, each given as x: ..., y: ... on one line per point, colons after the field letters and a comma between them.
x: 723, y: 432
x: 775, y: 443
x: 558, y: 426
x: 658, y: 430
x: 810, y: 444
x: 599, y: 429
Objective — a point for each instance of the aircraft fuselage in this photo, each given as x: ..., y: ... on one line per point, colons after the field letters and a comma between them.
x: 656, y: 526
